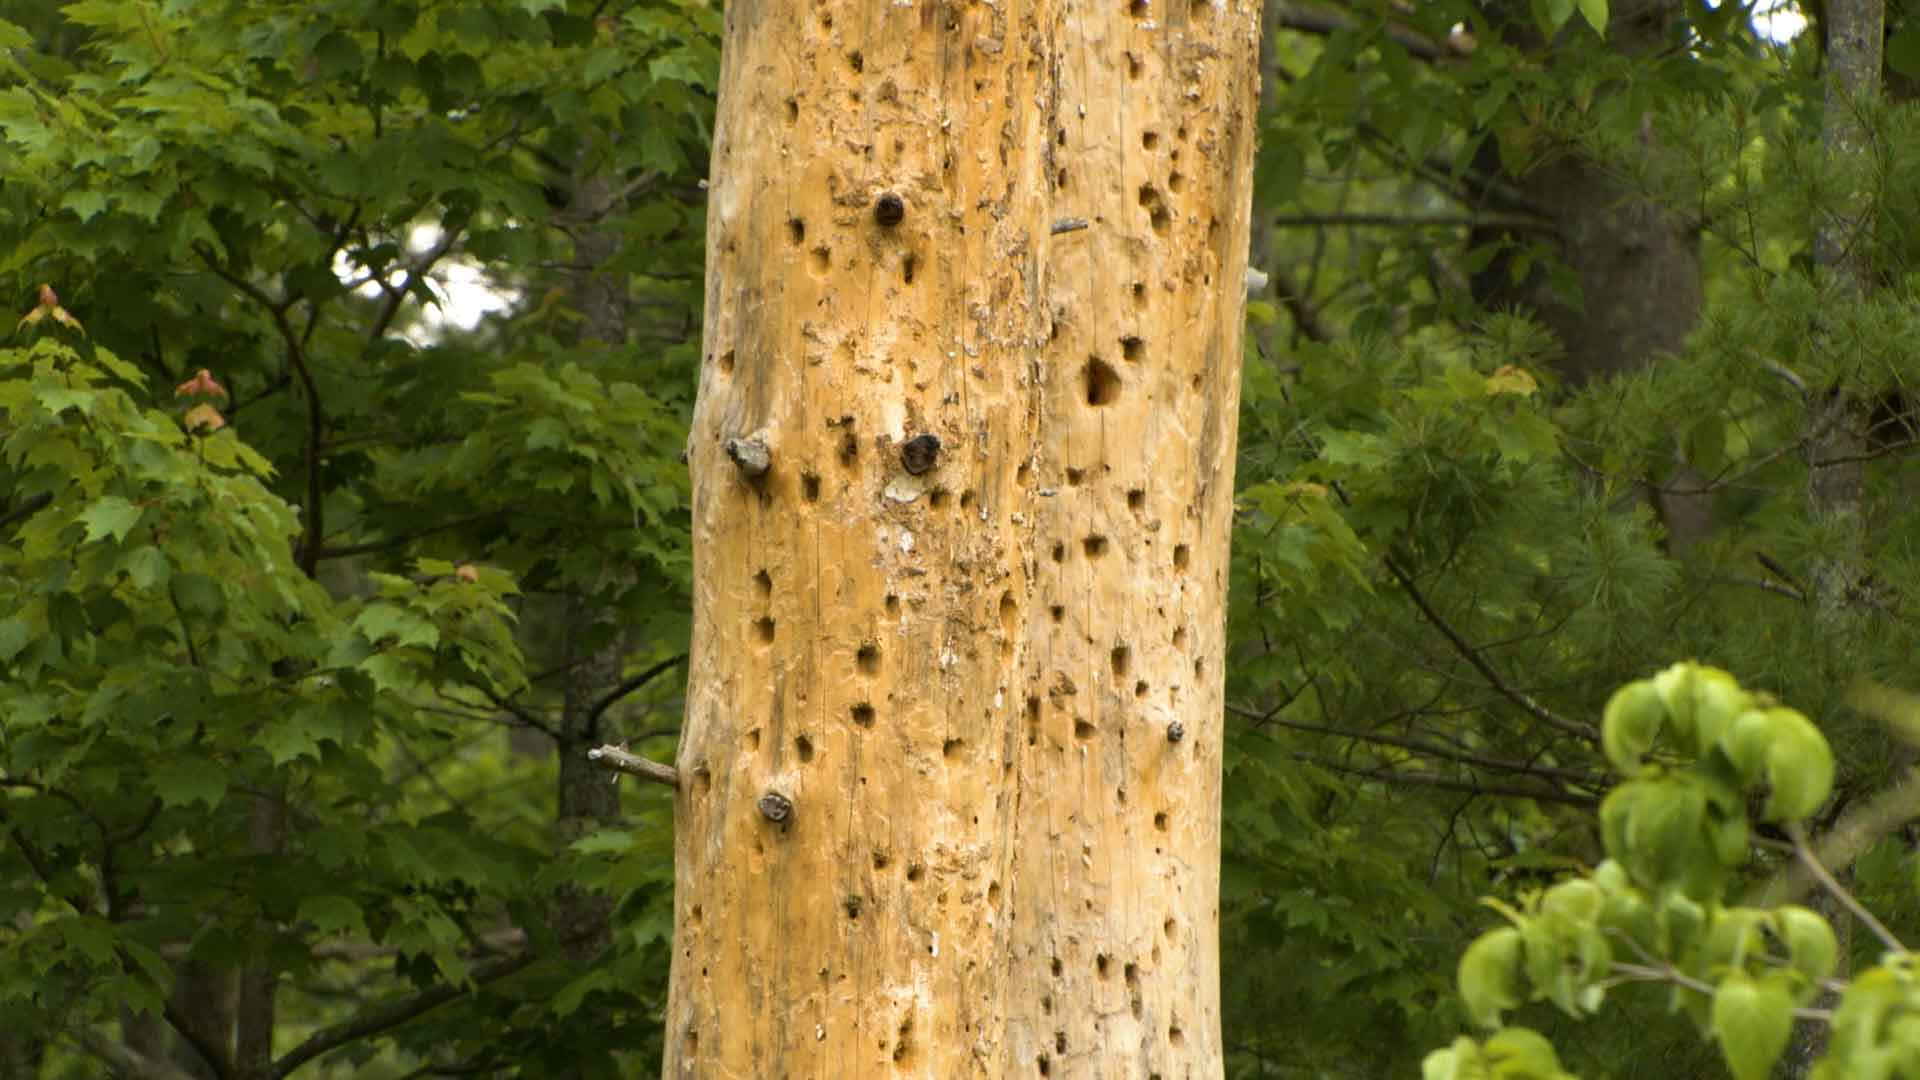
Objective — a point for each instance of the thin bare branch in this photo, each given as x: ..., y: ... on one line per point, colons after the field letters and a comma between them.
x: 1485, y: 220
x: 1452, y: 783
x: 1549, y: 772
x: 1472, y: 656
x: 619, y: 759
x: 1838, y: 891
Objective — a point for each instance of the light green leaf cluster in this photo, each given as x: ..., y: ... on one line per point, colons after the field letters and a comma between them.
x: 1694, y: 744
x: 1512, y: 1054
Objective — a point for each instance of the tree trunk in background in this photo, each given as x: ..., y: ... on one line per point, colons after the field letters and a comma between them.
x: 949, y: 799
x: 594, y: 654
x: 1837, y: 416
x: 1636, y: 262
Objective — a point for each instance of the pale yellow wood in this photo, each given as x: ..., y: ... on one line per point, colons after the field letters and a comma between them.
x: 963, y: 681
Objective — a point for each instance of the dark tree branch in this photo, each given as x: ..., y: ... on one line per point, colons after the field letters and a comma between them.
x: 1306, y: 317
x: 416, y: 269
x: 1472, y: 656
x: 214, y: 1056
x: 373, y: 546
x: 522, y: 713
x: 42, y: 868
x: 392, y: 1015
x: 1523, y: 768
x: 1764, y: 585
x: 27, y: 509
x: 1417, y: 44
x: 1773, y: 567
x: 124, y: 1059
x: 266, y: 392
x: 1449, y: 783
x: 613, y: 696
x: 1486, y: 220
x: 313, y: 511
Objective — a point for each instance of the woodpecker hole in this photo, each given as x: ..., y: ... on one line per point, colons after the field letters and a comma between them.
x: 1103, y: 383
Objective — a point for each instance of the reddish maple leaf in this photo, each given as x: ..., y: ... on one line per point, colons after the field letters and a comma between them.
x: 201, y: 383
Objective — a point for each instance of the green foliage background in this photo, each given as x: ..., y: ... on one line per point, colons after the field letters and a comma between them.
x: 354, y: 601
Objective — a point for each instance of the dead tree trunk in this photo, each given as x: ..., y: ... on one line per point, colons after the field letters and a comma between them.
x: 963, y: 471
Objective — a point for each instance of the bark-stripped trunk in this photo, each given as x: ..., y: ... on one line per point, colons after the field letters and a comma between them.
x: 983, y: 698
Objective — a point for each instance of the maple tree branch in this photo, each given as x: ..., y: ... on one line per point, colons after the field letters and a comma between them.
x: 386, y: 1017
x: 312, y: 514
x: 124, y: 1059
x: 397, y: 294
x: 629, y: 686
x: 522, y: 714
x: 373, y: 546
